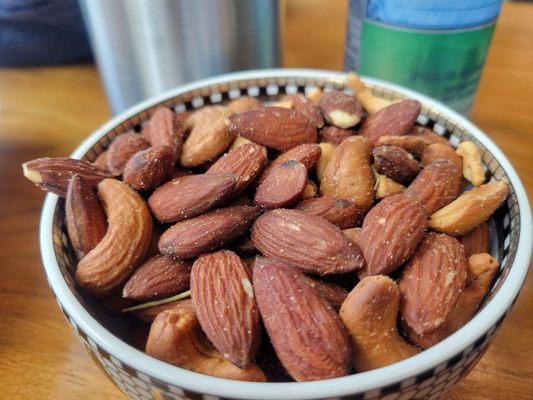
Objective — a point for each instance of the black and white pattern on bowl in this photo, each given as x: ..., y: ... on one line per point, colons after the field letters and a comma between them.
x: 430, y: 384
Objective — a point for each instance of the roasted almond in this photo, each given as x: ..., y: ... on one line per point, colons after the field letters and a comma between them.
x: 274, y: 127
x: 438, y: 184
x: 165, y: 128
x: 395, y: 163
x: 413, y: 144
x: 158, y: 278
x: 224, y: 302
x: 246, y: 162
x: 149, y: 168
x: 308, y: 109
x: 101, y: 161
x: 348, y: 174
x: 332, y: 293
x: 470, y: 209
x: 54, y: 174
x: 208, y: 232
x: 432, y: 137
x: 394, y: 120
x: 86, y: 225
x: 334, y: 135
x: 432, y: 282
x: 304, y: 329
x: 244, y: 246
x: 340, y: 212
x: 209, y: 136
x: 122, y: 149
x: 477, y: 240
x: 438, y: 151
x: 283, y: 186
x: 341, y: 109
x: 191, y: 195
x: 390, y: 234
x: 306, y: 241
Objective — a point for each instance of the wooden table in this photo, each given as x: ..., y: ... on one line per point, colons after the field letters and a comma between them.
x: 48, y: 111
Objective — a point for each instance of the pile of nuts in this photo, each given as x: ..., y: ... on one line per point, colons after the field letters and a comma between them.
x: 318, y: 236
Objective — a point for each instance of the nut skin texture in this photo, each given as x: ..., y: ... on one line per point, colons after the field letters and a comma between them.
x: 437, y: 185
x: 166, y: 128
x: 386, y: 187
x: 477, y: 240
x: 149, y: 168
x: 411, y: 143
x: 309, y: 109
x: 274, y: 127
x: 246, y: 162
x: 210, y: 231
x: 53, y: 174
x: 390, y: 234
x: 306, y: 241
x: 85, y: 218
x: 208, y: 138
x: 432, y: 282
x: 482, y: 268
x: 332, y: 293
x: 395, y: 163
x: 472, y: 165
x: 122, y: 149
x: 340, y: 212
x: 326, y: 151
x: 191, y: 195
x: 158, y: 278
x: 106, y: 267
x: 283, y: 186
x: 394, y: 120
x: 176, y: 337
x: 149, y: 314
x: 304, y: 329
x: 341, y: 109
x: 348, y: 174
x: 470, y: 209
x: 370, y: 314
x: 225, y: 305
x: 335, y: 135
x: 438, y: 151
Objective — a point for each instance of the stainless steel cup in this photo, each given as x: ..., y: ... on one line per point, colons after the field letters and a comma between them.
x: 144, y: 47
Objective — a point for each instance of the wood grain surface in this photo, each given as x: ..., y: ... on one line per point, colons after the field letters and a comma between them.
x: 48, y: 111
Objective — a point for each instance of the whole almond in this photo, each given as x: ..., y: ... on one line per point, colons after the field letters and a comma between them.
x: 165, y: 128
x: 438, y: 151
x: 470, y: 209
x: 334, y: 135
x: 224, y: 302
x: 432, y: 137
x: 101, y: 161
x: 274, y: 127
x: 210, y: 231
x: 413, y: 144
x: 158, y: 278
x: 395, y: 163
x: 332, y: 293
x: 149, y: 168
x: 386, y: 187
x: 305, y: 330
x: 283, y: 186
x: 106, y: 267
x: 246, y: 162
x: 341, y: 109
x: 432, y: 282
x: 394, y: 120
x: 209, y: 136
x: 53, y: 174
x: 477, y: 240
x: 340, y: 212
x: 86, y: 224
x: 122, y: 149
x: 390, y: 234
x: 308, y: 109
x: 348, y: 174
x: 306, y: 241
x: 438, y: 184
x: 243, y: 103
x: 190, y: 196
x: 326, y: 151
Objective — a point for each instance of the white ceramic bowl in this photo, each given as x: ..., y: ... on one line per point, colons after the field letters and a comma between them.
x: 429, y: 374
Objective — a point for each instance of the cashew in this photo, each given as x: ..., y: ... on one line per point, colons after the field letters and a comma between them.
x: 175, y: 337
x: 387, y: 187
x: 242, y: 104
x: 370, y: 313
x: 239, y: 141
x: 352, y: 234
x: 325, y: 156
x: 370, y: 102
x: 315, y: 95
x: 472, y: 165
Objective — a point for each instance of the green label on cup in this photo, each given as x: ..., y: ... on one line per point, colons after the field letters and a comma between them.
x: 445, y: 65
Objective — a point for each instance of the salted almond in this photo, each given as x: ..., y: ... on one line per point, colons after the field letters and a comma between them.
x: 395, y: 163
x: 472, y: 165
x: 149, y: 168
x: 326, y: 151
x: 101, y: 161
x: 340, y: 212
x: 310, y: 110
x: 429, y: 135
x: 413, y: 144
x: 438, y: 151
x: 122, y: 149
x: 470, y: 209
x: 332, y: 293
x: 165, y: 128
x: 304, y: 329
x: 385, y: 187
x: 477, y: 240
x: 335, y: 135
x: 341, y: 109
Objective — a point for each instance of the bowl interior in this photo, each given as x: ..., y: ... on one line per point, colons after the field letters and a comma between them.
x: 504, y: 225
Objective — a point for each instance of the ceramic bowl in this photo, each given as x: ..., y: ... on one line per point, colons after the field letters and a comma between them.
x: 430, y: 374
